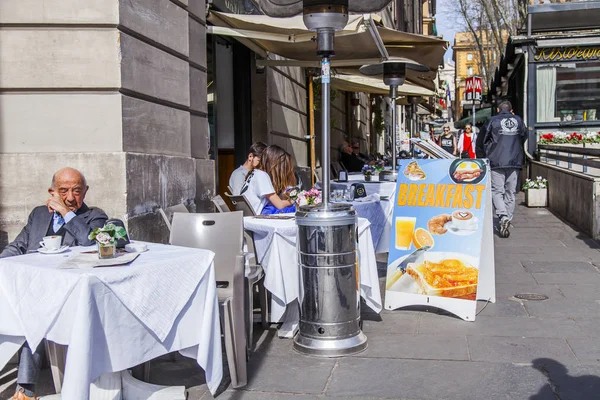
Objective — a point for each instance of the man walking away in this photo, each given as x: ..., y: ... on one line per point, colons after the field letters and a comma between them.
x: 501, y: 141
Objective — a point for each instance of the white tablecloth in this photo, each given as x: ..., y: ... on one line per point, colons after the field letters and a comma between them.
x: 113, y: 318
x: 275, y: 242
x: 387, y: 190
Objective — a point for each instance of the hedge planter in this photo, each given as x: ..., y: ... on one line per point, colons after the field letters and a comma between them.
x: 536, y: 197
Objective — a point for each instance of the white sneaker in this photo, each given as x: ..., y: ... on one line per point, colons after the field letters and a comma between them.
x: 504, y: 226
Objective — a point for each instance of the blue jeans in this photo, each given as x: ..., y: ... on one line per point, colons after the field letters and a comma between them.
x: 30, y: 364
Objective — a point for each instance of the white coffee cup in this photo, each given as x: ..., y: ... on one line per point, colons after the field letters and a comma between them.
x: 51, y: 242
x: 463, y: 219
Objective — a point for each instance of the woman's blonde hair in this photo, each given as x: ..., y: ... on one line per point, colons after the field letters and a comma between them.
x: 278, y: 164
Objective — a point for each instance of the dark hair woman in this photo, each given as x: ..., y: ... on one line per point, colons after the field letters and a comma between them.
x: 265, y: 188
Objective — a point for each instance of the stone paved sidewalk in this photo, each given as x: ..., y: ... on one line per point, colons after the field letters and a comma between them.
x: 515, y: 349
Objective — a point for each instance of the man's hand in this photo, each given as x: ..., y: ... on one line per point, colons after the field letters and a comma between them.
x: 56, y: 203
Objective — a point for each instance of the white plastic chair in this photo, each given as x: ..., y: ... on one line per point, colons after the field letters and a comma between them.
x: 220, y: 204
x: 253, y: 277
x: 222, y: 233
x: 167, y: 214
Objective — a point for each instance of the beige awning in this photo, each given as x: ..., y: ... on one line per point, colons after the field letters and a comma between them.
x: 362, y: 41
x: 365, y: 84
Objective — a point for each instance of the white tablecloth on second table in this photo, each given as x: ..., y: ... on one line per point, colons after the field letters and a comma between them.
x: 386, y: 191
x: 113, y: 318
x: 275, y: 241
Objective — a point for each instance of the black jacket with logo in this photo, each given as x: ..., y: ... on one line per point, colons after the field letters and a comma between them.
x: 501, y: 141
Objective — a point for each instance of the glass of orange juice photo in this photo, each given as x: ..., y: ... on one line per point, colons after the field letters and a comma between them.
x: 404, y: 232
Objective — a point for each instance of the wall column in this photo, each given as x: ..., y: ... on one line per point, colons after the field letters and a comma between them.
x: 114, y: 88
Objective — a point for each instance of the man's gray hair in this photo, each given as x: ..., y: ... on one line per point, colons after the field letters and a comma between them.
x: 505, y: 106
x: 53, y: 183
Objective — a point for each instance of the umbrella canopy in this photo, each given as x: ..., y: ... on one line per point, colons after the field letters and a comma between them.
x: 365, y: 84
x: 481, y: 117
x: 362, y: 41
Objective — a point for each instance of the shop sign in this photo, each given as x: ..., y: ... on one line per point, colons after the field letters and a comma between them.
x: 473, y: 88
x: 442, y: 247
x: 567, y: 53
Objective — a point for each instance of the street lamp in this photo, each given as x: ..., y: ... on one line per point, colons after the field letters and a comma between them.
x: 394, y: 75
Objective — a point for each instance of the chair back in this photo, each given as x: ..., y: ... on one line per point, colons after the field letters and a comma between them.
x: 317, y: 174
x: 336, y: 167
x: 221, y: 233
x: 240, y: 203
x: 303, y: 176
x: 220, y: 204
x: 167, y: 213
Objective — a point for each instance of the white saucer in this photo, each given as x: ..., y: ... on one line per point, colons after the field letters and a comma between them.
x: 461, y: 232
x: 62, y: 249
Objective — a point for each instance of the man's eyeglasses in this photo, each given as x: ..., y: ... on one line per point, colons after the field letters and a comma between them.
x: 446, y: 130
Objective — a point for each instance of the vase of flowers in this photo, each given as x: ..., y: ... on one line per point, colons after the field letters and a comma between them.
x: 536, y: 192
x: 310, y: 197
x: 106, y: 239
x: 292, y: 193
x: 368, y: 171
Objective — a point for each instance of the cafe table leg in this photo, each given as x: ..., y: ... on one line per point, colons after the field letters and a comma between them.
x: 57, y: 354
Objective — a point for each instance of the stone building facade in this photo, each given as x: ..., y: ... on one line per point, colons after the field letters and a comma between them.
x: 114, y: 88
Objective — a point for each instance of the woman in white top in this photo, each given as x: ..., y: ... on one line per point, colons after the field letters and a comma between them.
x: 265, y: 187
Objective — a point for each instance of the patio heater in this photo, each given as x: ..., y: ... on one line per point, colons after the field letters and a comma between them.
x: 394, y: 74
x: 327, y: 235
x: 413, y: 101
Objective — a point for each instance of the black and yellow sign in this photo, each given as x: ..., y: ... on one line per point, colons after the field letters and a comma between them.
x: 574, y: 53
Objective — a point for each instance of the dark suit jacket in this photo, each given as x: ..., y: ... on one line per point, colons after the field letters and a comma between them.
x: 77, y: 229
x: 351, y: 162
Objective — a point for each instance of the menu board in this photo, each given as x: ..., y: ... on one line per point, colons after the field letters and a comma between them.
x: 441, y: 246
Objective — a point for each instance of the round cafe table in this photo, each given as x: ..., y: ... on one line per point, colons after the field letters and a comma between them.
x: 275, y: 243
x: 112, y: 318
x: 386, y: 192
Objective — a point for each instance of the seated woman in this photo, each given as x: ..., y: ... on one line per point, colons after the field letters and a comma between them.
x: 266, y: 185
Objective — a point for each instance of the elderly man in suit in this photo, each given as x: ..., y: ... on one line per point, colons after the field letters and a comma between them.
x: 65, y: 214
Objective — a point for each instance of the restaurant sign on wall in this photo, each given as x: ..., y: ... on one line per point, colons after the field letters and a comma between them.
x: 442, y: 247
x: 575, y: 53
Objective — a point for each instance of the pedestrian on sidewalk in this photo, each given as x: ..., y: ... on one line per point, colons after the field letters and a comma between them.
x: 448, y: 141
x: 466, y: 142
x: 501, y: 141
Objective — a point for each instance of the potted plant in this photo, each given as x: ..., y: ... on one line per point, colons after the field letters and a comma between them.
x: 586, y: 139
x: 106, y: 239
x: 379, y: 166
x: 536, y: 192
x: 368, y: 171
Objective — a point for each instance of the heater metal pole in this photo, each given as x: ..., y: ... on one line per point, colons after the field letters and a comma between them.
x: 414, y: 130
x: 393, y: 95
x: 325, y: 128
